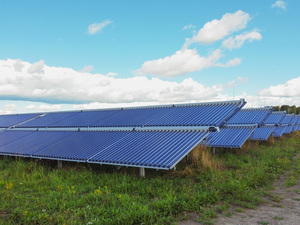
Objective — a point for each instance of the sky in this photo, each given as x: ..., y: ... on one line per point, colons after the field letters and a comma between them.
x: 70, y: 55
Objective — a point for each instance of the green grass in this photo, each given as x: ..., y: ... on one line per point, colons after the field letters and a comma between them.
x: 294, y: 175
x: 39, y: 193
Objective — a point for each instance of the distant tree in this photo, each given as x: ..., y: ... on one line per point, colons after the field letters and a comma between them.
x: 284, y: 108
x: 288, y: 109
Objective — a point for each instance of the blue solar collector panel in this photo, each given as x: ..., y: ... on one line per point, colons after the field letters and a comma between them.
x: 81, y: 145
x: 278, y: 131
x: 288, y: 129
x: 48, y: 119
x: 287, y: 119
x: 275, y: 117
x: 32, y: 141
x: 151, y: 149
x: 7, y: 137
x: 15, y: 119
x: 229, y: 137
x: 255, y: 116
x: 262, y: 133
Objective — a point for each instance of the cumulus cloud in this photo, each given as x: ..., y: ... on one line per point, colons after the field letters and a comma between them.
x: 216, y: 30
x: 238, y: 40
x: 8, y: 109
x: 182, y: 62
x: 280, y: 4
x: 186, y: 27
x: 189, y: 60
x: 239, y: 80
x: 230, y: 63
x: 18, y: 65
x: 87, y: 69
x: 260, y: 101
x: 65, y: 85
x: 289, y: 89
x: 37, y: 67
x: 98, y: 27
x: 110, y: 74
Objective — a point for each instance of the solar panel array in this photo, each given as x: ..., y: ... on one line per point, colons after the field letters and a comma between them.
x: 238, y: 129
x: 148, y: 137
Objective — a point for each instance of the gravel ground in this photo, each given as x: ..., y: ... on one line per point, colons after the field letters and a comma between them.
x: 282, y: 207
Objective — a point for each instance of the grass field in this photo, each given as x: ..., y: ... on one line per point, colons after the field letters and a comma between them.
x: 38, y: 193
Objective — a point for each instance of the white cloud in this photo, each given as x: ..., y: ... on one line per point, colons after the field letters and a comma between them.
x: 186, y: 27
x: 8, y: 109
x: 189, y: 60
x: 239, y: 80
x: 36, y: 67
x: 289, y: 89
x: 182, y: 62
x: 280, y: 4
x: 65, y: 85
x: 230, y: 63
x: 238, y: 40
x: 43, y: 107
x: 98, y: 27
x: 111, y: 74
x: 218, y: 29
x: 18, y: 65
x: 260, y: 101
x: 230, y: 84
x: 87, y: 69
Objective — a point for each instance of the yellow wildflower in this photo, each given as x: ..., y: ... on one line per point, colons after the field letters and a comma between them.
x: 98, y: 192
x: 9, y: 185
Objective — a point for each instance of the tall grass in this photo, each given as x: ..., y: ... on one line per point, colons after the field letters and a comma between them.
x: 202, y: 157
x: 39, y: 193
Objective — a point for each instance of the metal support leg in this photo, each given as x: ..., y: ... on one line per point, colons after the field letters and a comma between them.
x: 214, y: 151
x: 5, y: 157
x: 59, y: 164
x: 142, y: 172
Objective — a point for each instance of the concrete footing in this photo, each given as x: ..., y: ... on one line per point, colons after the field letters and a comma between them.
x: 142, y: 172
x: 59, y: 164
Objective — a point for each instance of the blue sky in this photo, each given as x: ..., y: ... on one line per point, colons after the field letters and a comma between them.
x: 61, y: 55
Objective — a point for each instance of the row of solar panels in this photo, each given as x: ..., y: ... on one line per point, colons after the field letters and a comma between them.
x: 150, y: 149
x: 153, y: 137
x: 200, y: 114
x: 253, y: 124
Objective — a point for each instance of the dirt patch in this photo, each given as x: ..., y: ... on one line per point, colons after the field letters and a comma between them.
x: 282, y: 206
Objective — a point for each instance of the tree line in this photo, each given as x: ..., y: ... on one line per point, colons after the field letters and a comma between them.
x: 288, y: 109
